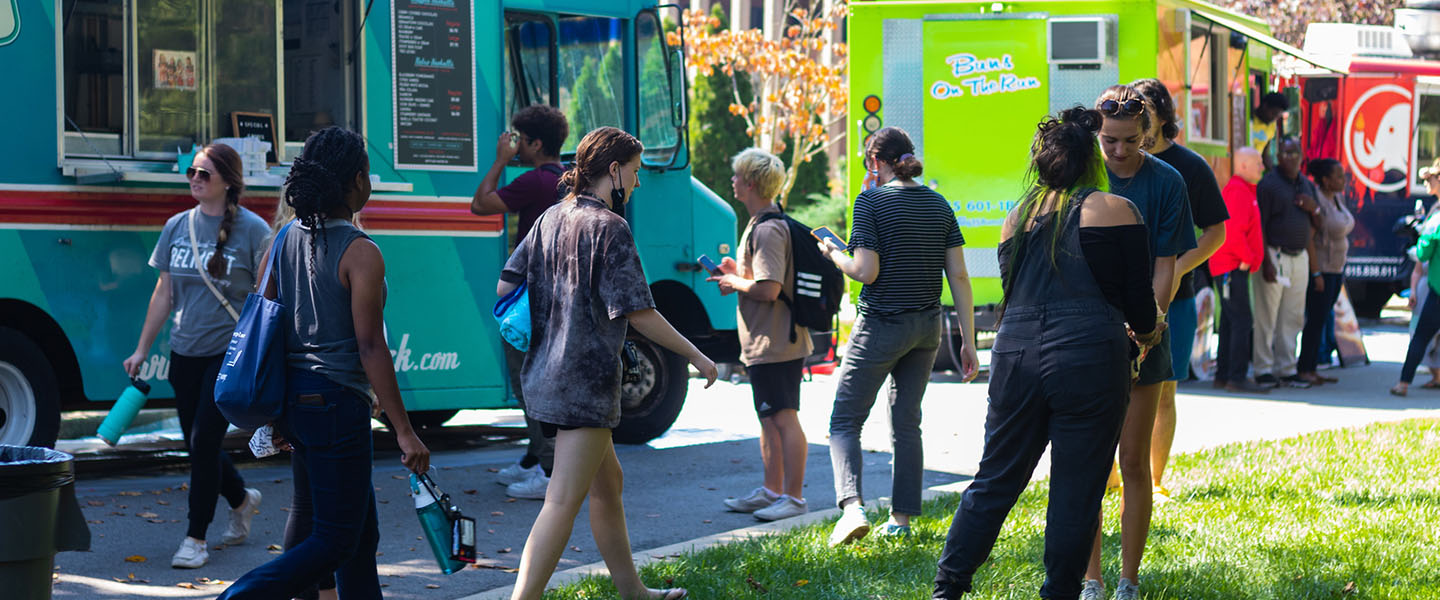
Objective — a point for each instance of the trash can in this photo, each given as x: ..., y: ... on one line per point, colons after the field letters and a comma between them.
x: 39, y: 516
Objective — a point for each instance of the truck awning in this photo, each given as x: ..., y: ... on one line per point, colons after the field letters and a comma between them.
x: 1394, y: 65
x: 1222, y: 17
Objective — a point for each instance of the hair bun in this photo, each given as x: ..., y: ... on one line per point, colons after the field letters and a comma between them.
x: 1086, y: 118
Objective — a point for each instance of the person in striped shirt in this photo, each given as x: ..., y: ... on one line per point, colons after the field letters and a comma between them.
x: 897, y: 332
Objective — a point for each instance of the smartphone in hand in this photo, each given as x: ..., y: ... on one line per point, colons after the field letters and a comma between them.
x: 823, y: 233
x: 709, y: 265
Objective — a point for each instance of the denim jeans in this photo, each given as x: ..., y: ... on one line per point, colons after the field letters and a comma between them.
x: 1058, y: 376
x: 212, y: 474
x: 903, y: 347
x: 301, y: 520
x: 329, y: 426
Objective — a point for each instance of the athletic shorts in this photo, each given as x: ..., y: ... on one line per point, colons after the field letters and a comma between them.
x: 1183, y: 320
x: 776, y: 386
x: 1156, y: 367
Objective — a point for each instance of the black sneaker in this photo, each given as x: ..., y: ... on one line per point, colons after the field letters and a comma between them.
x: 1296, y: 381
x: 1267, y: 380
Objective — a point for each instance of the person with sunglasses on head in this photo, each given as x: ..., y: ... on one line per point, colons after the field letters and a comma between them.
x: 1287, y: 210
x: 1075, y: 267
x: 1207, y: 212
x: 587, y: 289
x: 329, y: 278
x: 539, y: 132
x: 209, y: 258
x: 905, y: 238
x: 1158, y: 191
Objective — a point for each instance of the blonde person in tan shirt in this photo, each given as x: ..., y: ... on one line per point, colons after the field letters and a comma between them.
x: 772, y: 348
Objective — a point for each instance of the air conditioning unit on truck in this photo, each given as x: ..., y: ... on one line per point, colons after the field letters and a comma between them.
x: 1378, y: 113
x: 85, y: 186
x: 969, y: 81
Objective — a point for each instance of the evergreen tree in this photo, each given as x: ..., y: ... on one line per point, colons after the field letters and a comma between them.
x: 813, y: 178
x: 716, y: 135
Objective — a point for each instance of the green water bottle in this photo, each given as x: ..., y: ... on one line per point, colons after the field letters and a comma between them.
x: 123, y: 412
x: 429, y: 505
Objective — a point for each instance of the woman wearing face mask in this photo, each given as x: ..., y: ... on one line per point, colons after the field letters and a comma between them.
x: 586, y: 287
x: 228, y: 242
x: 1327, y: 264
x: 1158, y: 191
x: 904, y: 238
x: 330, y: 278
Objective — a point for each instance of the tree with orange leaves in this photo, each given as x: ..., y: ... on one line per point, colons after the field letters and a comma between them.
x: 799, y: 78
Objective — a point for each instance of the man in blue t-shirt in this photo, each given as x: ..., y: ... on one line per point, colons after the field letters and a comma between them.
x: 540, y: 130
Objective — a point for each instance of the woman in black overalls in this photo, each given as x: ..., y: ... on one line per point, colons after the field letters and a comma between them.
x: 1075, y: 264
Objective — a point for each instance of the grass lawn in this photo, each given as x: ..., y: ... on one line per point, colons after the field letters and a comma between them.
x: 1337, y: 514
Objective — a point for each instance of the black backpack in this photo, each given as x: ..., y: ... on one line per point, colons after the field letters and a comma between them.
x: 818, y: 283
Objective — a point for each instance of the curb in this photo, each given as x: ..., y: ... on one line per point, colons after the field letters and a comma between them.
x: 645, y: 557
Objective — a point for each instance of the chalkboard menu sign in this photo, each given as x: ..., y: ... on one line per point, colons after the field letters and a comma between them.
x: 261, y: 125
x: 434, y: 81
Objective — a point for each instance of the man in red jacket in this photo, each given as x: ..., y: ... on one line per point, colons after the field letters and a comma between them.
x: 1231, y: 265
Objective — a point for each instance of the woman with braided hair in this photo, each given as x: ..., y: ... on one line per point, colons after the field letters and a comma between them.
x: 1075, y: 268
x: 208, y: 258
x: 330, y: 278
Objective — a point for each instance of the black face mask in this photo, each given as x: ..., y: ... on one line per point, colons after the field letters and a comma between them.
x: 617, y: 200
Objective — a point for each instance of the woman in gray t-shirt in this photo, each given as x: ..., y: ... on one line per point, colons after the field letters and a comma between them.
x: 586, y: 286
x: 227, y: 243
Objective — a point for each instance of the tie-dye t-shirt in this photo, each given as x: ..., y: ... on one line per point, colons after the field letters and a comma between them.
x: 584, y: 276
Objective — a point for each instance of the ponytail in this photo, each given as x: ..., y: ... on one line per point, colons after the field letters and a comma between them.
x: 228, y: 167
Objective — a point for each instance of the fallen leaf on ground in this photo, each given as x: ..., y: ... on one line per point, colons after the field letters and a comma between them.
x: 397, y: 476
x: 209, y: 581
x: 156, y: 520
x: 146, y: 515
x: 802, y: 582
x: 128, y: 494
x: 755, y: 584
x: 135, y: 559
x: 187, y: 585
x: 163, y: 502
x: 493, y: 470
x: 116, y: 513
x: 509, y: 500
x: 1349, y: 588
x: 471, y: 492
x: 576, y: 548
x: 95, y: 502
x: 431, y: 586
x: 274, y: 547
x: 496, y: 513
x: 95, y: 522
x: 504, y: 550
x: 705, y: 521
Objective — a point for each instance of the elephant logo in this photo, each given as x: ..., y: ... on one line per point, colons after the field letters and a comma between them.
x: 1377, y: 136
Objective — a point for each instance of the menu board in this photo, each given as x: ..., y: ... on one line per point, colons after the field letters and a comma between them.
x: 433, y: 53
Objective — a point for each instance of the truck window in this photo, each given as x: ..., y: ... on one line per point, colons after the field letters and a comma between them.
x: 659, y: 127
x: 1427, y: 144
x: 529, y: 48
x: 191, y: 64
x: 320, y: 69
x: 1206, y: 120
x: 591, y: 75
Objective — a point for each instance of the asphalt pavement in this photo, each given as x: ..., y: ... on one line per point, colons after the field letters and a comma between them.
x: 674, y: 485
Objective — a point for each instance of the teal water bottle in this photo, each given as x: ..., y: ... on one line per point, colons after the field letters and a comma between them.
x: 123, y: 412
x: 434, y: 520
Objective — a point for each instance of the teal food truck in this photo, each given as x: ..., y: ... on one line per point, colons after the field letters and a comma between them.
x: 85, y: 188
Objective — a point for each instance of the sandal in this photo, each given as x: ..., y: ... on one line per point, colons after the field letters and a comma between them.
x: 1433, y: 384
x: 1400, y: 389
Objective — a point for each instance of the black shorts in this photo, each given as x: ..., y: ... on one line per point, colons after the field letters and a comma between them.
x: 1157, y: 367
x: 549, y: 430
x: 776, y: 386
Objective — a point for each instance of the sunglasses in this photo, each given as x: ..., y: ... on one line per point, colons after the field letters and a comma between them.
x: 1127, y: 108
x: 197, y: 172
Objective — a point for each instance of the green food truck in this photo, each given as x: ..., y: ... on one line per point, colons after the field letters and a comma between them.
x: 85, y: 187
x: 969, y: 81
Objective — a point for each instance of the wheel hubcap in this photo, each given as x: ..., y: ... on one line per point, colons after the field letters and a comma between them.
x: 633, y: 395
x: 17, y: 406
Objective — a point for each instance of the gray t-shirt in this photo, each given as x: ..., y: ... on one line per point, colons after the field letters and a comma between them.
x: 584, y: 276
x: 202, y: 327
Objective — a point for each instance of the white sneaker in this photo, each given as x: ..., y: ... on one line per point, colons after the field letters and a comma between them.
x: 852, y: 526
x: 191, y: 555
x: 758, y: 499
x: 783, y: 508
x: 516, y: 473
x: 1127, y: 590
x: 239, y: 528
x: 1094, y: 590
x: 529, y: 489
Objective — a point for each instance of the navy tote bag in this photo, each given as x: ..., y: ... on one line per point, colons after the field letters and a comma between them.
x: 250, y: 390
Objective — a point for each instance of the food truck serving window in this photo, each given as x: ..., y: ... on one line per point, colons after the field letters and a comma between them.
x: 146, y: 78
x: 1206, y: 118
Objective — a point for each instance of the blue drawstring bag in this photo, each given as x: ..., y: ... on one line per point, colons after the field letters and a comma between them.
x: 250, y: 390
x: 512, y: 312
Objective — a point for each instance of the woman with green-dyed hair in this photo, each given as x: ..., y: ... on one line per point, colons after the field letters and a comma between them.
x: 1075, y: 266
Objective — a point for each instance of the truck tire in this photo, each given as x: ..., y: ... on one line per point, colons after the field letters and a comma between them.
x: 29, y: 393
x: 1368, y: 298
x: 427, y: 419
x: 649, y: 407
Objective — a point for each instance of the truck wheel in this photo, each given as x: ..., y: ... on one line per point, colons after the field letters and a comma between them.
x: 427, y: 419
x: 649, y: 407
x: 1368, y: 298
x: 29, y: 393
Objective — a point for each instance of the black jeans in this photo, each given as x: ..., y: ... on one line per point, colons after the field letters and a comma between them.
x: 329, y: 426
x: 1425, y: 330
x: 301, y: 520
x: 1232, y: 355
x: 1059, y: 377
x: 211, y: 472
x: 1318, y: 310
